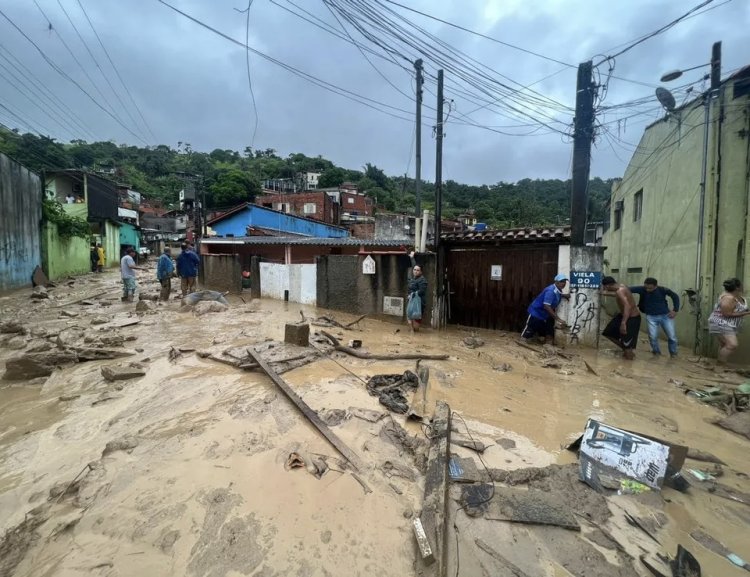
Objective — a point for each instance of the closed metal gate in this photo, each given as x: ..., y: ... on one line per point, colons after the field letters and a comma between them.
x: 478, y: 300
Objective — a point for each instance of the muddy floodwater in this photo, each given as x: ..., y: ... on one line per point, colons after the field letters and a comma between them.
x: 185, y: 469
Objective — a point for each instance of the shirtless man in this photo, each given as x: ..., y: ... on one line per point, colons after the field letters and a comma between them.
x: 623, y: 329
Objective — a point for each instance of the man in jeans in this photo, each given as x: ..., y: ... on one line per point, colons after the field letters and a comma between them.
x: 187, y: 269
x: 127, y: 271
x: 653, y: 303
x: 164, y: 273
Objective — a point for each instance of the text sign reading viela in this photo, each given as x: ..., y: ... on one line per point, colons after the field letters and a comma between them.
x: 589, y: 280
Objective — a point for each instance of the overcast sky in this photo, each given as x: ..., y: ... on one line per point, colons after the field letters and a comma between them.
x: 191, y: 85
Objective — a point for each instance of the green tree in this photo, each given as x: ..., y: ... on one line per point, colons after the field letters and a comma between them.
x: 233, y: 187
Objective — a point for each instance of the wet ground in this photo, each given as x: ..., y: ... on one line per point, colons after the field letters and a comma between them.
x: 201, y: 487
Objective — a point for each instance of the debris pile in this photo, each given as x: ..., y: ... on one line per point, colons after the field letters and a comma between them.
x: 391, y: 390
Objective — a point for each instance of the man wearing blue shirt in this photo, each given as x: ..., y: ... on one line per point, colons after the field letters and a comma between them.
x: 653, y: 303
x: 543, y: 311
x: 187, y: 269
x: 164, y: 272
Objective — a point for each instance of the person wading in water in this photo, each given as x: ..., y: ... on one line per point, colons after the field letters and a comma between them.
x: 417, y: 290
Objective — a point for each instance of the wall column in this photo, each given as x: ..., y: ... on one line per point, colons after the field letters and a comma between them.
x: 584, y: 307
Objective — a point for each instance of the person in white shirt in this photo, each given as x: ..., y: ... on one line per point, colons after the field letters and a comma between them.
x: 127, y: 270
x: 70, y: 199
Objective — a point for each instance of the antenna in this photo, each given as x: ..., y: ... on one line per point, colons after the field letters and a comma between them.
x: 665, y: 98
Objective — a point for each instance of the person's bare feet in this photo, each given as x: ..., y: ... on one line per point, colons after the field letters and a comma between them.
x: 628, y: 354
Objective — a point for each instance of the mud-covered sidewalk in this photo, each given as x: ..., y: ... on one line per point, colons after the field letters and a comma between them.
x: 145, y: 454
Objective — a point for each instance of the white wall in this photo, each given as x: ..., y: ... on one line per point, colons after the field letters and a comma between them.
x: 299, y: 279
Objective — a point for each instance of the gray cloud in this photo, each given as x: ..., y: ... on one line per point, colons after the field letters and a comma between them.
x: 191, y: 85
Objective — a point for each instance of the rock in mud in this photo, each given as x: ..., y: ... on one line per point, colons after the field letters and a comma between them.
x: 33, y: 365
x: 39, y: 346
x: 122, y: 372
x: 145, y: 307
x: 124, y: 444
x: 473, y: 342
x: 99, y: 320
x: 205, y: 307
x: 12, y: 327
x: 16, y: 343
x: 39, y: 292
x: 506, y: 443
x: 333, y: 417
x: 68, y: 314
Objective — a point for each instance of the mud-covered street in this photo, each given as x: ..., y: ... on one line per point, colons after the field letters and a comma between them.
x: 189, y: 467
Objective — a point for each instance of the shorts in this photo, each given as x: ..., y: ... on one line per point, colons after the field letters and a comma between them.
x: 539, y: 327
x: 629, y: 340
x: 128, y: 284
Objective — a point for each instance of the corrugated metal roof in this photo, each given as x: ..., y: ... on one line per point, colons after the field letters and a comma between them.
x: 559, y: 233
x: 302, y: 240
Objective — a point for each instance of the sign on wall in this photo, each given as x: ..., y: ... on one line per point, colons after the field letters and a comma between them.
x: 368, y: 265
x: 393, y: 306
x: 496, y: 272
x: 588, y: 280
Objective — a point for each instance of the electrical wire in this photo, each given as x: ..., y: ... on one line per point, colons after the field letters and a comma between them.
x: 117, y: 72
x: 249, y: 76
x: 67, y: 77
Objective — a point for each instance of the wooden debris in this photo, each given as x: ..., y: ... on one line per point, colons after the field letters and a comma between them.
x: 717, y: 547
x: 361, y: 481
x: 530, y: 506
x: 418, y: 406
x: 424, y: 544
x: 590, y: 369
x: 477, y: 446
x: 434, y: 515
x: 380, y: 357
x: 705, y: 456
x: 97, y: 354
x: 305, y: 409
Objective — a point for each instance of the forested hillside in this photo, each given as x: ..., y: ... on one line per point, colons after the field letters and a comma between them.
x: 229, y: 177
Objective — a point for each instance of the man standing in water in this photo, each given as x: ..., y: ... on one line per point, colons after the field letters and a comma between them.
x: 543, y: 311
x: 624, y: 327
x: 164, y: 272
x: 654, y: 304
x: 127, y: 270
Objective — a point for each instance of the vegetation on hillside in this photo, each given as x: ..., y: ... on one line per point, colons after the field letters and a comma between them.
x: 230, y: 177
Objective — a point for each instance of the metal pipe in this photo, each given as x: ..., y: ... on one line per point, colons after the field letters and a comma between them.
x: 425, y: 226
x: 417, y: 233
x: 702, y: 201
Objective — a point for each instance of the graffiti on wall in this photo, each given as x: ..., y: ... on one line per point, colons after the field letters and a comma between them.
x: 584, y: 313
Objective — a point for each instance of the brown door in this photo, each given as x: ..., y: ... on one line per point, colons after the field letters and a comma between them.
x: 477, y: 300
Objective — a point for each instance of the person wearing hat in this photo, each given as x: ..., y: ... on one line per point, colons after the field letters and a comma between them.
x: 164, y: 273
x: 543, y: 311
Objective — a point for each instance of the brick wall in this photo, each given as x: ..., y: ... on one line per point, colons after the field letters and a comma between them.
x: 359, y: 203
x: 325, y: 209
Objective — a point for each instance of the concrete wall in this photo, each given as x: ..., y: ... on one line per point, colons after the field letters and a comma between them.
x: 342, y: 285
x: 63, y: 257
x: 583, y: 309
x: 20, y: 240
x: 129, y: 236
x: 221, y: 272
x: 257, y: 216
x: 666, y: 170
x: 299, y: 279
x: 111, y: 244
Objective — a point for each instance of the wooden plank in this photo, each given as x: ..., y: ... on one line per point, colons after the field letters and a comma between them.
x: 434, y: 506
x: 93, y: 296
x: 311, y: 415
x: 418, y: 408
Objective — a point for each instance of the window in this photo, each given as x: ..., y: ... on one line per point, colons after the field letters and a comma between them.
x: 310, y: 208
x: 619, y: 207
x: 350, y: 200
x: 615, y: 270
x: 635, y: 269
x: 638, y: 206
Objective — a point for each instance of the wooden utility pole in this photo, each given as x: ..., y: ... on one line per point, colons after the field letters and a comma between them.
x: 582, y: 138
x: 439, y: 159
x: 418, y: 143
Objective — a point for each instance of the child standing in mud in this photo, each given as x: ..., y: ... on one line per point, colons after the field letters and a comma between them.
x: 417, y: 299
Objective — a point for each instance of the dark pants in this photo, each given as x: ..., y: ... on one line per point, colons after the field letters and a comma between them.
x: 627, y: 341
x: 166, y: 288
x: 538, y: 327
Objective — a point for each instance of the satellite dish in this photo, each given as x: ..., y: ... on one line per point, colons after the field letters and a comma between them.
x: 665, y: 98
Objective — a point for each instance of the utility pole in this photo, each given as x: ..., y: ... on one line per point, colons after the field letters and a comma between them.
x: 439, y: 159
x: 418, y: 141
x: 582, y: 138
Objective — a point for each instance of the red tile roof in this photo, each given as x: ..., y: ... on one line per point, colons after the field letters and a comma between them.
x: 558, y: 233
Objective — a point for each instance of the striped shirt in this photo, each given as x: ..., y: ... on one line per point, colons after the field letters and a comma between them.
x: 718, y: 319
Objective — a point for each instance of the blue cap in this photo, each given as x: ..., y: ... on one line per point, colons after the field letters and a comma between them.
x: 560, y: 278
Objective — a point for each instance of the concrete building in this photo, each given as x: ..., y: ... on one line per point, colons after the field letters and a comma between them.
x: 94, y: 199
x: 317, y: 205
x: 656, y: 208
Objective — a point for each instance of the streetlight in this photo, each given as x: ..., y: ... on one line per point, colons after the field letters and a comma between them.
x: 707, y: 97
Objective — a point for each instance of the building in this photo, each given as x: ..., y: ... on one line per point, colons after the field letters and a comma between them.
x: 309, y: 180
x: 658, y: 228
x: 95, y: 199
x: 252, y: 220
x: 317, y: 205
x: 401, y: 227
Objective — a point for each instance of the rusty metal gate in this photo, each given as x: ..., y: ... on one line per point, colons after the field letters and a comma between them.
x: 479, y: 300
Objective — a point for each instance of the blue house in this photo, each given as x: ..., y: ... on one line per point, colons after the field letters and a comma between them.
x: 249, y: 219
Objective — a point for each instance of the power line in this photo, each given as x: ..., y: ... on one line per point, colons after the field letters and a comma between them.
x: 117, y: 72
x: 96, y: 63
x: 42, y: 91
x: 249, y: 77
x: 475, y: 33
x: 657, y: 31
x: 65, y: 75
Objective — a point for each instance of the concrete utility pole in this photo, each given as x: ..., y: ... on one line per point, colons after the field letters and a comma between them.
x: 418, y: 141
x: 439, y: 160
x: 582, y: 138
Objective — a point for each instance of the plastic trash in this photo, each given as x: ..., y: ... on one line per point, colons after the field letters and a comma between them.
x: 414, y: 307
